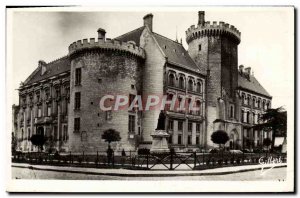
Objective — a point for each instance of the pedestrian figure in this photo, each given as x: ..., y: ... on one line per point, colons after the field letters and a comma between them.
x: 123, y: 157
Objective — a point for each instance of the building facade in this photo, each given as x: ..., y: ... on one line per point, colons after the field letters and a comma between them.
x: 60, y: 99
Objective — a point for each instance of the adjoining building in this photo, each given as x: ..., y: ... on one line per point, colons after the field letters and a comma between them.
x: 60, y: 99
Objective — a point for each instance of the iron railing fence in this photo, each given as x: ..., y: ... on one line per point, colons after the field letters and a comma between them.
x: 166, y: 161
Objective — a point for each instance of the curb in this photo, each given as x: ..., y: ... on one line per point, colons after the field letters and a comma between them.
x: 144, y: 175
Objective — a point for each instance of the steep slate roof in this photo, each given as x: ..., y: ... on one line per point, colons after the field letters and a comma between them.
x: 176, y: 53
x: 133, y: 35
x: 173, y: 50
x: 251, y: 85
x: 53, y: 68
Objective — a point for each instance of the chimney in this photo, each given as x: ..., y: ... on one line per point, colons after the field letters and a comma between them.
x: 201, y: 18
x: 241, y: 69
x: 43, y: 64
x: 101, y: 33
x: 248, y: 71
x: 148, y: 21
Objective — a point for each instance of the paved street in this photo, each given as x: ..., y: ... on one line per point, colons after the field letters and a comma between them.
x: 25, y: 173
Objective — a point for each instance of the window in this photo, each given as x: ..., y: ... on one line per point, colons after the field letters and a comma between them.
x: 199, y: 87
x: 181, y: 82
x: 189, y: 106
x: 268, y: 105
x: 171, y: 80
x: 258, y: 103
x: 248, y: 100
x: 108, y: 115
x: 190, y: 127
x: 77, y: 100
x: 198, y: 128
x: 78, y: 76
x: 132, y: 86
x: 76, y: 124
x: 28, y: 132
x: 65, y: 133
x: 170, y: 126
x: 242, y: 116
x: 198, y: 106
x: 179, y: 139
x: 168, y: 105
x: 231, y: 111
x: 253, y: 102
x: 170, y: 139
x: 189, y: 140
x: 131, y: 123
x: 179, y: 104
x: 180, y: 125
x: 39, y: 111
x: 48, y: 110
x: 197, y: 140
x: 190, y: 85
x: 264, y: 104
x: 131, y: 98
x: 248, y: 117
x: 253, y: 118
x: 199, y: 47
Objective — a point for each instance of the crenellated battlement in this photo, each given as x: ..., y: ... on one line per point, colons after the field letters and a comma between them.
x: 108, y: 44
x: 214, y: 29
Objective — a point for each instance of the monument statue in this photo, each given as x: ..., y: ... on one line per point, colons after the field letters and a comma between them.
x: 161, y: 121
x: 159, y: 142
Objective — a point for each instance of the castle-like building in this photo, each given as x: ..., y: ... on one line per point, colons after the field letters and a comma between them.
x: 60, y: 99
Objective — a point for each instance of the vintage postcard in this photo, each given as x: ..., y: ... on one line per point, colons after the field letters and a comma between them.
x: 171, y: 99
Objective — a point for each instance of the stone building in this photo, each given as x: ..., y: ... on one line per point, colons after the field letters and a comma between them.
x: 61, y: 99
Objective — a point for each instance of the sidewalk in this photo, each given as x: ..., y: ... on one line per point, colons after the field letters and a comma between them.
x: 149, y: 173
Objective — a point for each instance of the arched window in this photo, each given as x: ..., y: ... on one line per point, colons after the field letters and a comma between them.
x: 171, y: 80
x: 198, y: 106
x: 244, y: 99
x: 248, y: 117
x: 253, y: 118
x: 268, y: 105
x: 199, y: 88
x: 248, y: 100
x: 231, y: 111
x: 169, y: 98
x: 258, y: 103
x: 190, y: 85
x: 242, y: 116
x: 264, y: 104
x: 253, y: 102
x: 181, y: 82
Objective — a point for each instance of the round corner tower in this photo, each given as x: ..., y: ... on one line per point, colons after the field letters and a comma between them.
x: 99, y: 68
x: 214, y: 47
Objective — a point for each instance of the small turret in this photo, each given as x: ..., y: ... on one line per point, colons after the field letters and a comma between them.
x: 101, y: 33
x: 201, y: 18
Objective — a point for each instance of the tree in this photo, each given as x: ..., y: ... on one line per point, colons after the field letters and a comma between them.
x: 38, y: 140
x: 274, y: 120
x: 267, y: 142
x: 219, y: 137
x: 111, y: 135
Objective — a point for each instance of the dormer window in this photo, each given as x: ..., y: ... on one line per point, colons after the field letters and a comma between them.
x: 181, y: 82
x: 191, y: 85
x: 171, y: 80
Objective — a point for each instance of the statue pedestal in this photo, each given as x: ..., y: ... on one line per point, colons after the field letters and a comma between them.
x: 159, y: 142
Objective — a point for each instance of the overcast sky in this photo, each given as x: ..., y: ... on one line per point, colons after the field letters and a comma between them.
x: 266, y: 41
